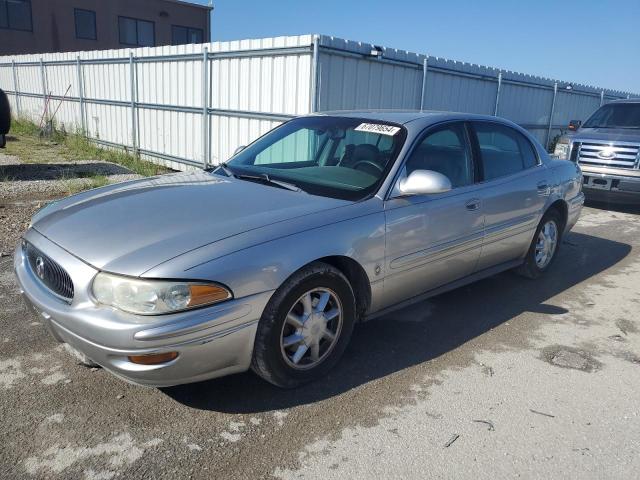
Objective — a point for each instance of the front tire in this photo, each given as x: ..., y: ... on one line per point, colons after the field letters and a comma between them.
x: 544, y: 246
x: 305, y: 327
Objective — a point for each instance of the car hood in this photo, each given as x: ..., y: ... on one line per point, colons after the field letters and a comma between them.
x: 132, y: 227
x: 607, y: 134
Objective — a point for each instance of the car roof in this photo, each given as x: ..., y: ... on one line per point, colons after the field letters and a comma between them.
x: 406, y: 116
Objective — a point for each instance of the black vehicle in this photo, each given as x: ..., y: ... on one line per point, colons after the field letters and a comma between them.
x: 5, y: 118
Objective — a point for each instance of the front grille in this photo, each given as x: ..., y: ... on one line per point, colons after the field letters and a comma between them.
x: 50, y: 274
x: 608, y: 154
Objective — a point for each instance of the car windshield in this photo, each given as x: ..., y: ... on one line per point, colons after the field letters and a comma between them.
x: 615, y: 115
x: 337, y: 157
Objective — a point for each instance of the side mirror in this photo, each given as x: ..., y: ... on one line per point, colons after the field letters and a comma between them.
x: 238, y: 150
x: 424, y: 182
x: 575, y: 125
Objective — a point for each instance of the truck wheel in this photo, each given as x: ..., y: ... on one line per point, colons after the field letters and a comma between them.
x: 305, y: 327
x: 544, y: 246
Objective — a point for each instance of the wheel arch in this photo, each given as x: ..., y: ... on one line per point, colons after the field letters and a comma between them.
x: 357, y: 277
x: 561, y: 207
x: 355, y: 274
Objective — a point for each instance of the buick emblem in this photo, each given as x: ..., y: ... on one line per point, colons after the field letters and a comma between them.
x: 606, y: 153
x: 40, y: 268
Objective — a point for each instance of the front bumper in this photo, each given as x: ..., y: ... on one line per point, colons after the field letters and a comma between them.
x: 210, y: 342
x: 611, y: 184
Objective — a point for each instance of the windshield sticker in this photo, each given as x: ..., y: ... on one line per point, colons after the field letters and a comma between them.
x: 377, y: 128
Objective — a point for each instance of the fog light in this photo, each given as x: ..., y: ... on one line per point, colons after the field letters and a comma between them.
x: 153, y: 358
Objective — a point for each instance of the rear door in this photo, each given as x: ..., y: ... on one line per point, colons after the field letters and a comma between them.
x: 434, y: 239
x: 516, y: 187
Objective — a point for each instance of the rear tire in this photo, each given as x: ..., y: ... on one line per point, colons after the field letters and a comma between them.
x: 544, y: 246
x: 305, y: 328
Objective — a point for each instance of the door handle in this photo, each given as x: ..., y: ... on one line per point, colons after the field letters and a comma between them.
x: 543, y: 188
x: 473, y: 204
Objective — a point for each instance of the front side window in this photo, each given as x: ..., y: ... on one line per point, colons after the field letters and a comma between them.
x: 337, y: 157
x: 140, y: 33
x: 185, y: 35
x: 16, y: 15
x: 85, y: 24
x: 445, y: 151
x: 504, y: 151
x: 615, y: 115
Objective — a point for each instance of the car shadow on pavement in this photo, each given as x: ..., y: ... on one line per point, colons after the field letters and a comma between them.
x: 418, y: 333
x: 59, y: 171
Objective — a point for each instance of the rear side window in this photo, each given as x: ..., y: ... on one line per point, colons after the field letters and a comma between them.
x: 504, y: 150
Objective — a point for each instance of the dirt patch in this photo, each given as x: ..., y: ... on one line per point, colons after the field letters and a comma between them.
x: 568, y: 357
x: 626, y: 326
x: 59, y: 171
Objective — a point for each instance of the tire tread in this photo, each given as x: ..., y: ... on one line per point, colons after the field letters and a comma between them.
x: 260, y: 363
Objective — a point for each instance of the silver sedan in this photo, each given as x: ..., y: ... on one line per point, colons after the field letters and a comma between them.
x: 267, y: 261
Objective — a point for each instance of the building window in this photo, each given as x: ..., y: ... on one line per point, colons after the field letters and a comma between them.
x: 182, y: 35
x: 85, y: 24
x: 16, y: 15
x: 139, y: 33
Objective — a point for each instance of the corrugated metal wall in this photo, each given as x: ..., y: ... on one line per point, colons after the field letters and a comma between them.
x: 349, y: 78
x: 171, y: 105
x: 251, y: 86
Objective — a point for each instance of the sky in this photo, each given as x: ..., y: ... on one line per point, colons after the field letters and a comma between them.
x: 594, y: 42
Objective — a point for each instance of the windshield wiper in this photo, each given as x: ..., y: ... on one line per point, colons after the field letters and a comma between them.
x: 265, y: 178
x: 225, y: 168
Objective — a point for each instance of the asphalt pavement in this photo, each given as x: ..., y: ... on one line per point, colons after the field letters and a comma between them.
x: 504, y: 378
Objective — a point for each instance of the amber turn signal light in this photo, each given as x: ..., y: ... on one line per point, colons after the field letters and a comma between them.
x: 206, y: 294
x: 153, y: 358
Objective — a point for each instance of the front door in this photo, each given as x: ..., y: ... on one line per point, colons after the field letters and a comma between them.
x: 435, y: 239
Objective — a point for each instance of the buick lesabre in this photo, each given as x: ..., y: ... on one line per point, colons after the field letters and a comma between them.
x: 267, y: 261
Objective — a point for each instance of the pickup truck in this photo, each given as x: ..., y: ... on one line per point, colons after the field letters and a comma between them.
x: 607, y: 148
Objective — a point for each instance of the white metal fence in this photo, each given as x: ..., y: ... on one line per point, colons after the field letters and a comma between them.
x: 193, y: 105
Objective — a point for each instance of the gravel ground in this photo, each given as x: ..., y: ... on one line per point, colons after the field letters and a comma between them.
x: 26, y: 187
x: 500, y: 379
x: 45, y: 181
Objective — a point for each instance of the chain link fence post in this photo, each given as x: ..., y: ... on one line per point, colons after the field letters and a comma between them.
x: 205, y: 108
x: 16, y: 88
x: 80, y: 80
x: 495, y: 110
x: 43, y: 78
x: 425, y: 72
x: 315, y: 72
x: 553, y: 107
x: 133, y: 86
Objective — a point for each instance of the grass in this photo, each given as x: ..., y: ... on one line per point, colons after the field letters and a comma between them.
x: 25, y: 142
x: 76, y: 185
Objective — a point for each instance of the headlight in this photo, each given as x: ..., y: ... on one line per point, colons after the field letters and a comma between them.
x: 561, y: 151
x: 154, y: 297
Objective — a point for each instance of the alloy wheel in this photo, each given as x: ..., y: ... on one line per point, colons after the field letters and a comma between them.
x: 311, y: 328
x: 546, y: 244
